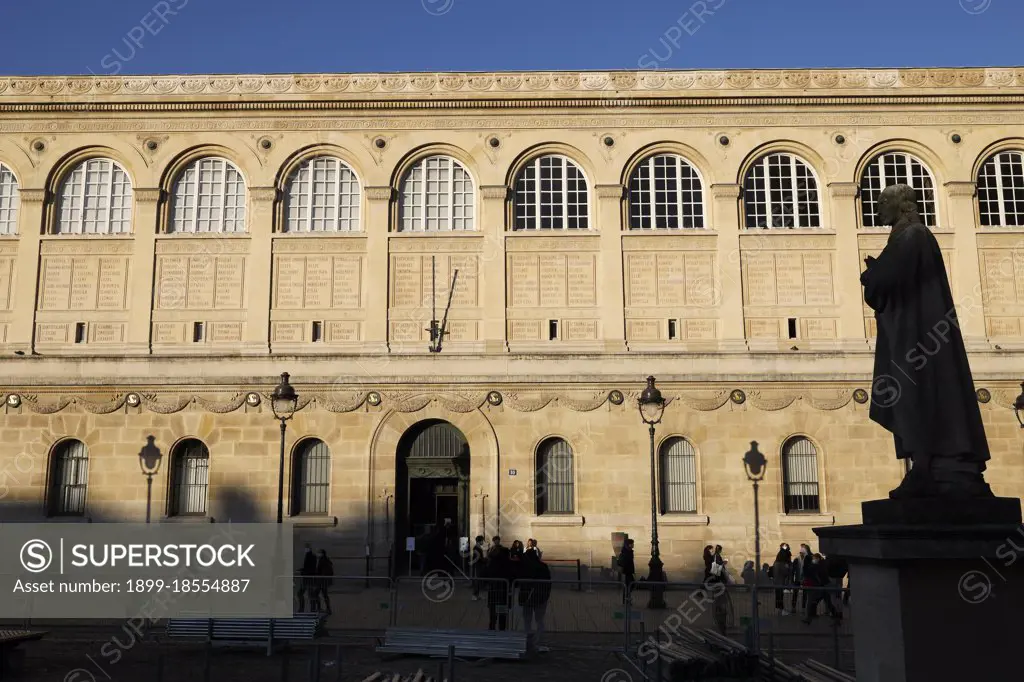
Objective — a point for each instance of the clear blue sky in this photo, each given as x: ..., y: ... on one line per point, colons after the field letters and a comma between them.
x: 271, y: 36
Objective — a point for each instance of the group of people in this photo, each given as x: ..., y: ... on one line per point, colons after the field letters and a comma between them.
x: 806, y: 573
x: 497, y: 567
x: 316, y: 578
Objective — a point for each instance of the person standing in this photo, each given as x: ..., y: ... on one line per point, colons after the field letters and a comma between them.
x: 306, y: 577
x: 782, y: 576
x: 816, y: 573
x: 499, y: 574
x: 324, y: 581
x: 531, y: 546
x: 748, y: 575
x: 799, y: 564
x: 709, y: 558
x: 477, y: 565
x: 534, y: 595
x: 627, y: 566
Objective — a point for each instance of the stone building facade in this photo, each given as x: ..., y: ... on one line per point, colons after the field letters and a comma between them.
x: 169, y: 245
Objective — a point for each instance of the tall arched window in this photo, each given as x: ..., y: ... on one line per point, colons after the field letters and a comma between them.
x: 437, y: 194
x: 322, y: 195
x: 9, y: 200
x: 208, y: 196
x: 95, y: 198
x: 69, y: 479
x: 190, y: 478
x: 555, y: 478
x: 678, y: 476
x: 665, y: 192
x: 551, y: 194
x: 311, y: 477
x: 1001, y: 190
x: 896, y: 168
x: 800, y: 476
x: 780, y: 191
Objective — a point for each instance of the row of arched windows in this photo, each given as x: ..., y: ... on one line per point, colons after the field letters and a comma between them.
x: 437, y: 193
x: 189, y: 481
x: 555, y: 477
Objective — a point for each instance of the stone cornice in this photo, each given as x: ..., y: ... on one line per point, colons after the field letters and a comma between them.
x: 32, y: 196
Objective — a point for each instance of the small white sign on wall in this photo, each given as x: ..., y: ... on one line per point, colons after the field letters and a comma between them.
x: 410, y: 544
x: 512, y: 472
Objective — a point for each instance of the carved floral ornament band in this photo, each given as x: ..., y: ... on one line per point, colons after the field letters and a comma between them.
x: 768, y: 400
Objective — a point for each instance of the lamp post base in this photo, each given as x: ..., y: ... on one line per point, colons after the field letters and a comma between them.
x: 655, y: 582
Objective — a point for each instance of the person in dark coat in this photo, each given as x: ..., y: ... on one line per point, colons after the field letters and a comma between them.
x: 923, y: 392
x: 782, y: 576
x: 709, y: 558
x: 477, y: 561
x: 816, y: 578
x: 499, y: 577
x: 627, y: 566
x: 307, y: 583
x: 534, y: 593
x: 324, y: 581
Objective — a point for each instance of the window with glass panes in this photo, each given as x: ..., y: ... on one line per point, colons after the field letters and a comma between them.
x: 9, y: 201
x: 800, y: 476
x: 780, y: 191
x: 437, y: 194
x: 555, y: 478
x: 551, y: 194
x: 208, y: 196
x: 896, y: 168
x: 665, y: 192
x: 1001, y: 190
x: 678, y: 476
x: 69, y: 479
x: 322, y: 195
x: 311, y: 478
x: 95, y: 198
x: 190, y: 478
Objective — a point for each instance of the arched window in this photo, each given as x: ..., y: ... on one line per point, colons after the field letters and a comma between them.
x: 208, y: 196
x: 311, y: 477
x: 1001, y: 190
x: 665, y: 191
x: 190, y: 478
x: 896, y: 168
x: 551, y: 194
x: 800, y: 476
x: 9, y: 200
x: 69, y: 479
x: 678, y: 476
x: 95, y: 198
x: 437, y: 194
x: 322, y: 195
x: 555, y: 477
x: 780, y: 192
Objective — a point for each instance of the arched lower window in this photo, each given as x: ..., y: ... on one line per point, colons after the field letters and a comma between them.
x: 555, y: 478
x: 665, y: 192
x: 437, y: 195
x: 311, y: 477
x: 69, y: 478
x: 551, y: 194
x: 678, y: 476
x: 800, y: 476
x: 190, y: 478
x: 322, y: 195
x: 896, y: 168
x: 95, y: 198
x: 1001, y: 190
x: 9, y: 200
x: 780, y: 191
x: 208, y: 196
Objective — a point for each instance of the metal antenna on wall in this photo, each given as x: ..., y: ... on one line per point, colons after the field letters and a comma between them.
x: 439, y: 330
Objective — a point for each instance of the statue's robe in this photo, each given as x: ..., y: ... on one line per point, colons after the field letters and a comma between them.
x: 922, y: 391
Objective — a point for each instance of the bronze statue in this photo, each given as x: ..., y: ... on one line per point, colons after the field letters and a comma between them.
x: 922, y: 389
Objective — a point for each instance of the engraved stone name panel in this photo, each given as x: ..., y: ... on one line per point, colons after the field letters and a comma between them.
x: 788, y: 278
x: 6, y: 283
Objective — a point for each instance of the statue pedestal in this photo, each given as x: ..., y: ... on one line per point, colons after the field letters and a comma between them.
x: 934, y: 597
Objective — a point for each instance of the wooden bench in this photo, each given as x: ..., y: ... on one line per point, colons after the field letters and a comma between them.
x: 11, y: 654
x: 247, y: 631
x: 504, y: 644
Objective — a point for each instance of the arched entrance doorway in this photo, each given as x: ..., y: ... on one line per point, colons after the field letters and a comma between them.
x: 431, y: 492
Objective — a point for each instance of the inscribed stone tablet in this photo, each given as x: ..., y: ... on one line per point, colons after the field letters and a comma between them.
x: 700, y: 279
x: 789, y: 278
x: 699, y: 330
x: 85, y: 282
x: 171, y: 278
x: 643, y: 330
x: 169, y: 332
x: 107, y: 332
x: 341, y: 331
x: 759, y: 279
x: 524, y: 330
x: 287, y: 332
x: 291, y: 271
x: 580, y: 330
x: 525, y: 276
x: 818, y: 289
x: 319, y: 270
x: 6, y: 275
x: 582, y: 280
x: 406, y: 273
x: 820, y: 328
x: 230, y: 276
x: 52, y: 333
x: 1003, y: 326
x: 553, y: 285
x: 347, y: 282
x: 642, y: 279
x: 201, y: 273
x: 227, y: 331
x: 763, y: 329
x: 56, y: 285
x: 467, y: 286
x: 113, y: 283
x: 671, y: 282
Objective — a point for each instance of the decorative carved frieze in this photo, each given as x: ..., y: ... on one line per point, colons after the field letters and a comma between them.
x: 725, y: 191
x: 378, y: 193
x: 610, y: 191
x: 263, y: 194
x: 494, y: 192
x: 147, y: 195
x: 32, y: 196
x: 843, y: 190
x: 961, y: 189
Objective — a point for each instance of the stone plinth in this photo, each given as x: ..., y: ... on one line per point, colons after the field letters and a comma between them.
x: 934, y: 601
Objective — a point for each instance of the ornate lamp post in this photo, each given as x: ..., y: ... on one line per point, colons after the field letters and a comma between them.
x: 1018, y: 406
x: 755, y: 464
x: 149, y: 462
x: 652, y: 408
x: 283, y: 401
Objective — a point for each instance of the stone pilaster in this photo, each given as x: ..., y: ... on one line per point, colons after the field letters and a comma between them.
x: 256, y: 338
x: 140, y: 289
x: 494, y: 201
x: 966, y: 267
x: 21, y: 332
x: 852, y: 333
x: 725, y: 220
x: 611, y: 299
x: 378, y: 223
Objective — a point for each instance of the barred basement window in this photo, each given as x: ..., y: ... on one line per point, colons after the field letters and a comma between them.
x: 190, y: 478
x: 95, y: 198
x: 69, y: 478
x: 208, y: 196
x: 437, y: 195
x: 665, y: 192
x: 551, y: 194
x: 780, y: 191
x: 311, y: 477
x: 800, y: 476
x: 896, y: 168
x: 1001, y: 190
x: 10, y: 197
x: 555, y: 478
x: 678, y: 476
x: 322, y: 195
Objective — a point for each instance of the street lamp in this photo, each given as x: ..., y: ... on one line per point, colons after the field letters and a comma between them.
x: 755, y: 464
x: 149, y: 462
x: 1018, y: 406
x: 652, y: 408
x: 283, y: 401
